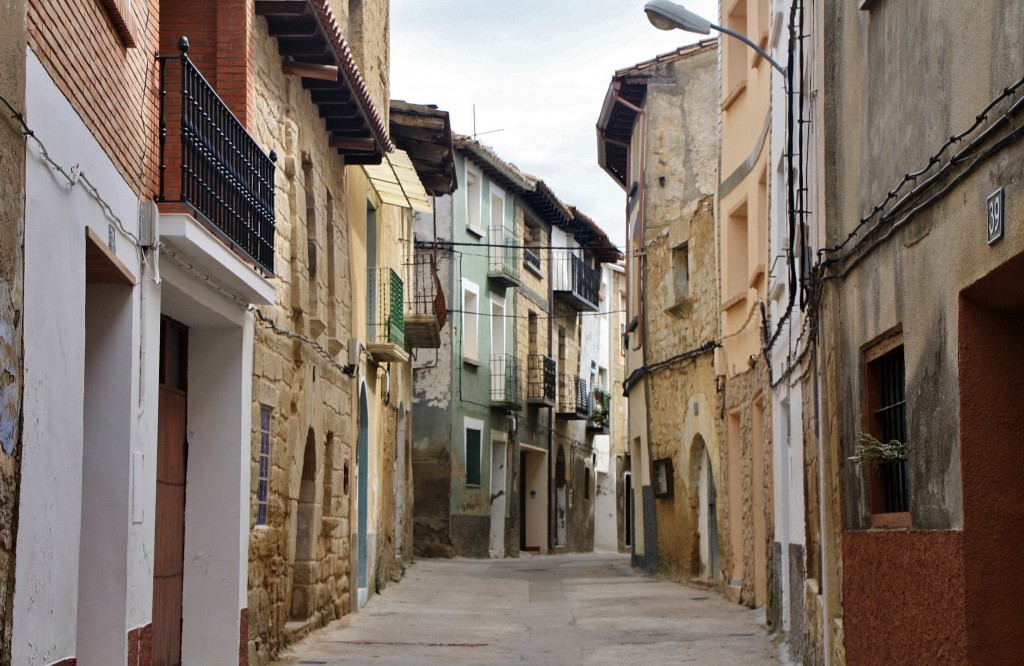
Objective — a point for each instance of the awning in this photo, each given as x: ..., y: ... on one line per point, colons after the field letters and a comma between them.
x: 397, y: 184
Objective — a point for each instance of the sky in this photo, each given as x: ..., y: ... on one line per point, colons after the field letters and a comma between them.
x: 537, y: 70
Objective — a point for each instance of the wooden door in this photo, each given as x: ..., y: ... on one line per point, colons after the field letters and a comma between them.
x: 171, y: 465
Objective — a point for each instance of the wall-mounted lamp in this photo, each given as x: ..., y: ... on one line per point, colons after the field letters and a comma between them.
x: 666, y: 15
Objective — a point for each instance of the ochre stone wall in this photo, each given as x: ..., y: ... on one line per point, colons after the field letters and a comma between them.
x: 309, y: 396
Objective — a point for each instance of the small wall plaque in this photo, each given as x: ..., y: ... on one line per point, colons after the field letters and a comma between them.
x: 996, y: 221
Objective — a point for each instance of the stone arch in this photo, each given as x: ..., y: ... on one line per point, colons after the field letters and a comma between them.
x: 304, y: 568
x: 702, y: 501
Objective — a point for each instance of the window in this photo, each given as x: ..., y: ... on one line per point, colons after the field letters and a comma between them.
x: 121, y: 17
x: 470, y: 322
x: 738, y: 249
x: 474, y: 195
x: 474, y: 452
x: 664, y: 483
x: 886, y: 420
x: 533, y: 238
x: 681, y: 272
x: 263, y: 475
x: 497, y: 207
x: 736, y: 53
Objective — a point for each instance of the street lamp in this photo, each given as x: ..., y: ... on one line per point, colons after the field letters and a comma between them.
x: 666, y: 15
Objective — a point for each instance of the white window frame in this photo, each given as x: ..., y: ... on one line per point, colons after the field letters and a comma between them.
x: 474, y: 185
x: 263, y: 468
x: 470, y: 323
x: 497, y: 193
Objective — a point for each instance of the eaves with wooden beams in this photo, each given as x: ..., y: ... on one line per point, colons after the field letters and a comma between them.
x: 314, y: 48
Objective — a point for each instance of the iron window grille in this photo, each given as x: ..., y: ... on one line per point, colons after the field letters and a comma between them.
x: 211, y: 164
x: 887, y: 401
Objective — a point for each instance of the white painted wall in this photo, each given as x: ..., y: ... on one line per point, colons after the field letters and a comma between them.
x: 47, y: 577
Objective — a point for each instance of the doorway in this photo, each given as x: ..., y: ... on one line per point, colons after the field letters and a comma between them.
x: 627, y: 501
x: 171, y: 465
x: 363, y: 492
x: 304, y: 567
x: 561, y: 488
x: 499, y: 480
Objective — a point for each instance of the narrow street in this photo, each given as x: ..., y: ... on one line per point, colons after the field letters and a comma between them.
x: 567, y: 609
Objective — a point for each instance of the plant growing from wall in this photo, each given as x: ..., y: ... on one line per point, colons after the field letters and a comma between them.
x: 870, y: 451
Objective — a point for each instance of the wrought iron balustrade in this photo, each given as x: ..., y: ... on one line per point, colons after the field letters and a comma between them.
x: 211, y: 164
x: 506, y: 383
x: 576, y: 282
x: 503, y: 265
x: 386, y: 307
x: 573, y: 401
x: 541, y: 379
x: 427, y: 311
x: 895, y: 485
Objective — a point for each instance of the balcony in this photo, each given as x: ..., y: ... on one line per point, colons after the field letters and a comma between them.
x: 573, y: 401
x: 600, y: 412
x: 540, y: 380
x: 575, y: 282
x: 427, y: 311
x: 210, y: 167
x: 503, y: 265
x: 386, y: 315
x: 506, y: 382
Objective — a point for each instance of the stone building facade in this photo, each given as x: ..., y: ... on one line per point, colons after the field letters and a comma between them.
x: 657, y: 138
x: 922, y: 327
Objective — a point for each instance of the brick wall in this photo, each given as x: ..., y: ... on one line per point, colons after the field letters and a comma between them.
x: 111, y: 87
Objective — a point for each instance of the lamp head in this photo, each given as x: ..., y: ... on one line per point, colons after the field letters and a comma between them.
x: 666, y: 15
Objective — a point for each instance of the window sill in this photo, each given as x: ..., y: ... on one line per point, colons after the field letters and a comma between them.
x: 890, y: 521
x: 734, y: 301
x: 479, y: 233
x: 533, y: 269
x: 472, y: 361
x: 734, y: 95
x: 680, y: 309
x: 120, y: 14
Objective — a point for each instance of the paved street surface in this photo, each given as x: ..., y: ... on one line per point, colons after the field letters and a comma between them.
x: 565, y: 609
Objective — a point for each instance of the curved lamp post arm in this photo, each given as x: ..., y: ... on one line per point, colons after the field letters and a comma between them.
x: 760, y: 51
x: 668, y: 15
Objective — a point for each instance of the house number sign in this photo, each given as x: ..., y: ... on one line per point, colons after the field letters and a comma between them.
x: 996, y: 222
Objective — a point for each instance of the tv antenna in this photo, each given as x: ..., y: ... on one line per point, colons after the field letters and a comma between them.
x: 475, y: 133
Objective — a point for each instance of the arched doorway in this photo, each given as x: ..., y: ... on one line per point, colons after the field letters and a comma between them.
x: 702, y: 482
x: 304, y: 567
x: 363, y: 472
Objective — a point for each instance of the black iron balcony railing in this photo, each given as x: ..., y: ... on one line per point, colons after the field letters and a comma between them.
x: 574, y: 281
x: 506, y: 383
x: 541, y: 380
x: 427, y: 312
x: 573, y: 401
x: 386, y: 307
x: 504, y: 254
x: 600, y: 411
x: 210, y: 164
